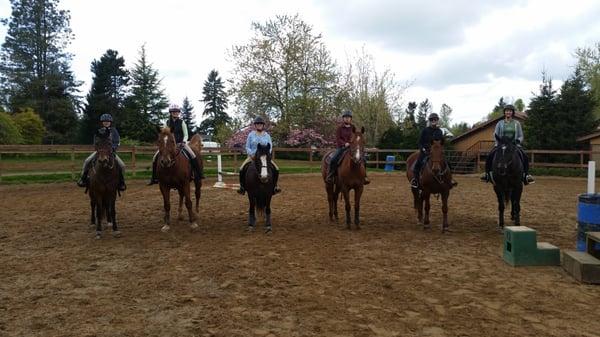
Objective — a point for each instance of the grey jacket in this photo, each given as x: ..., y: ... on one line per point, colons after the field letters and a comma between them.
x: 500, y: 130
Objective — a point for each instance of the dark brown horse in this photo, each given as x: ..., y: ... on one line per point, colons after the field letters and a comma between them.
x: 350, y: 176
x: 436, y: 178
x: 259, y: 185
x: 174, y: 172
x: 104, y: 178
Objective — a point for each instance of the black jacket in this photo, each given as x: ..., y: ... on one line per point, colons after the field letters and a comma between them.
x: 176, y: 129
x: 428, y: 135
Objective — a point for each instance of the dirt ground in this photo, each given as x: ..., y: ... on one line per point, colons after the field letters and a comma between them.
x: 309, y: 278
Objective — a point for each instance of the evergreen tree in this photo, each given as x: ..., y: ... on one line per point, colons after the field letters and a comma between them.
x: 35, y: 66
x: 215, y: 103
x: 519, y: 105
x: 107, y: 95
x: 445, y: 112
x: 459, y: 128
x: 145, y: 109
x: 424, y: 110
x: 541, y: 117
x: 188, y: 116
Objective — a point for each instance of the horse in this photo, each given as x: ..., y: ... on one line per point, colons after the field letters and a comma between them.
x: 175, y: 172
x: 507, y: 175
x: 104, y: 178
x: 259, y: 186
x: 436, y: 178
x: 350, y: 176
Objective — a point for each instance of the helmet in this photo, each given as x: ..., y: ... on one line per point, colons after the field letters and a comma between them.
x: 106, y: 118
x: 259, y: 120
x: 347, y: 113
x: 174, y: 107
x: 509, y: 107
x: 433, y: 115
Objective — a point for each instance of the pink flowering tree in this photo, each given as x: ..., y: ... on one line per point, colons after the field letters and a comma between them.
x: 238, y: 139
x: 307, y: 138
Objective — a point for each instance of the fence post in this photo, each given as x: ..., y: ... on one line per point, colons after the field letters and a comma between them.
x: 235, y: 160
x: 310, y: 155
x: 377, y: 159
x: 73, y: 162
x: 0, y: 166
x: 479, y: 159
x: 133, y: 169
x: 581, y: 158
x: 273, y: 154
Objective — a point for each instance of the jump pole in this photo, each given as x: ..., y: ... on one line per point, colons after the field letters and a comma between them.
x: 220, y: 183
x: 591, y: 188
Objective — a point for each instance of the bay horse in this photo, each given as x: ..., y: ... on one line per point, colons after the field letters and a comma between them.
x: 350, y: 176
x: 436, y: 178
x: 103, y: 182
x: 174, y: 172
x: 259, y: 186
x: 507, y: 178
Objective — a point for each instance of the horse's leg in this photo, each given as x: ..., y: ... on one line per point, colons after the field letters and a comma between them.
x: 99, y: 213
x: 357, y: 194
x: 418, y: 205
x: 268, y: 225
x: 445, y: 196
x: 108, y: 214
x: 113, y: 211
x: 93, y: 213
x: 251, y: 210
x: 346, y: 194
x: 197, y: 192
x: 167, y: 206
x: 329, y: 190
x: 336, y: 196
x: 516, y: 205
x: 425, y: 196
x: 188, y: 205
x: 180, y: 209
x: 500, y: 196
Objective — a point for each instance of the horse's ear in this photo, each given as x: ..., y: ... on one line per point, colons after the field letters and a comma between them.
x: 362, y: 129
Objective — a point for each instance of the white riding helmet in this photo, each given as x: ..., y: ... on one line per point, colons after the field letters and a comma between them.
x: 174, y: 107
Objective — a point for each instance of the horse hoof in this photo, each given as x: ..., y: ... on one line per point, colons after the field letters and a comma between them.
x: 116, y: 234
x: 194, y: 226
x: 445, y: 229
x: 180, y: 218
x: 165, y: 228
x: 269, y: 230
x: 250, y: 229
x: 108, y: 225
x: 98, y: 236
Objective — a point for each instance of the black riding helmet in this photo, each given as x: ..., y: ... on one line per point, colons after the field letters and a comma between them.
x: 433, y: 115
x: 259, y: 120
x: 509, y: 107
x: 106, y: 118
x: 347, y: 113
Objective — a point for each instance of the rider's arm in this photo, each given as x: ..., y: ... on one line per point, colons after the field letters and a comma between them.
x: 116, y: 139
x: 185, y: 131
x: 270, y: 142
x: 498, y: 132
x: 249, y: 150
x: 518, y: 133
x: 422, y: 140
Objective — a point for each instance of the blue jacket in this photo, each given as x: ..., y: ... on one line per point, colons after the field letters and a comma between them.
x: 254, y: 139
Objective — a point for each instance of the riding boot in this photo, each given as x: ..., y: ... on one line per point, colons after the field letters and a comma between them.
x: 528, y: 179
x: 84, y: 180
x: 121, y: 187
x: 153, y: 179
x: 331, y: 172
x: 276, y: 188
x: 242, y: 188
x: 414, y: 183
x: 485, y: 177
x: 196, y: 170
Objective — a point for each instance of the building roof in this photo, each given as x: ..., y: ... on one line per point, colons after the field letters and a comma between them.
x: 481, y: 126
x: 590, y: 136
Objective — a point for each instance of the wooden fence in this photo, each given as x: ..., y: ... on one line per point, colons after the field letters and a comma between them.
x: 376, y: 156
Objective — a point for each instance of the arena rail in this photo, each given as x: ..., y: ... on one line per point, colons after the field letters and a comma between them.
x: 312, y: 155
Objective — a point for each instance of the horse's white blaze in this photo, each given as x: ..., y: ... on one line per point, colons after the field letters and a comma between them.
x: 166, y: 139
x: 357, y: 154
x: 263, y: 170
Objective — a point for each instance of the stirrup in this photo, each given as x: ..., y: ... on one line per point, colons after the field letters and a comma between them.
x: 414, y: 183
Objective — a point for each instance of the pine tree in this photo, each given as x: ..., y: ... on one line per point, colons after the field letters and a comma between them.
x: 107, y: 94
x: 35, y: 66
x: 424, y: 111
x: 215, y: 103
x: 145, y: 109
x: 188, y: 116
x: 541, y: 115
x: 445, y: 112
x: 409, y: 120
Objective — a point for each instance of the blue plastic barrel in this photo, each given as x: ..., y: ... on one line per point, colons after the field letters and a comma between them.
x: 588, y: 217
x: 389, y: 163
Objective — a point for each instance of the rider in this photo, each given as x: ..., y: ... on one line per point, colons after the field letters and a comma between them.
x: 511, y: 128
x: 257, y: 136
x: 106, y: 120
x: 428, y: 135
x: 180, y: 131
x: 343, y: 137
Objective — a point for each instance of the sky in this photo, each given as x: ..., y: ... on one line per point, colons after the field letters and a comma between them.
x: 463, y: 53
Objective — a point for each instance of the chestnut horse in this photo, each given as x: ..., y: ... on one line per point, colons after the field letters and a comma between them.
x: 436, y: 178
x: 104, y: 178
x: 350, y: 176
x: 174, y: 172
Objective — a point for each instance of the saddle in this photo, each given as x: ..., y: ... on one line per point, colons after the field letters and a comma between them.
x: 329, y: 155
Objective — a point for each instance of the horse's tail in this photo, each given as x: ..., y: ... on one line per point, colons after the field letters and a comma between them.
x: 261, y: 202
